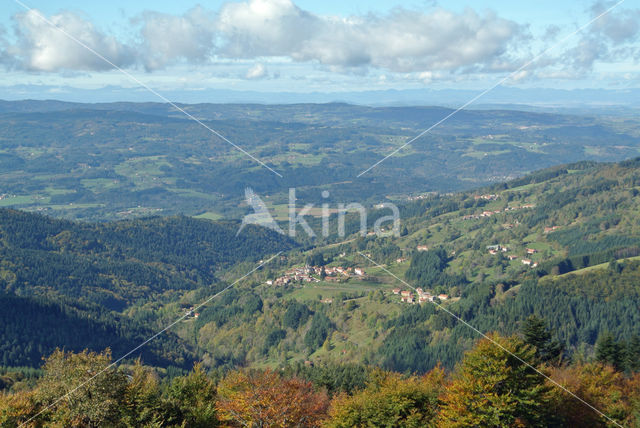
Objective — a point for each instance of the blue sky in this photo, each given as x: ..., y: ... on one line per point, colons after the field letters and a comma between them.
x: 541, y: 12
x: 324, y: 46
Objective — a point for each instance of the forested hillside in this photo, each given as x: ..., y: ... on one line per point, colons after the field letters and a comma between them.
x: 33, y: 327
x: 560, y: 243
x: 114, y: 264
x: 98, y: 285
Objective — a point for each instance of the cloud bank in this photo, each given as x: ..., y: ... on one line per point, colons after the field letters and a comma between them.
x: 403, y: 40
x: 427, y: 43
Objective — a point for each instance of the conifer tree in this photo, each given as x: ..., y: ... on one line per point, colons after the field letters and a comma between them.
x: 536, y: 334
x: 609, y: 351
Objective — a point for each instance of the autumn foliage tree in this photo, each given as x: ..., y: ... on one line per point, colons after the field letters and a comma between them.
x: 496, y: 385
x: 81, y: 389
x: 266, y: 399
x: 19, y: 408
x: 84, y: 390
x: 390, y: 400
x: 603, y: 388
x: 492, y: 387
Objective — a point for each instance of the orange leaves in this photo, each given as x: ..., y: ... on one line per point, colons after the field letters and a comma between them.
x: 597, y: 384
x: 17, y: 408
x: 266, y: 399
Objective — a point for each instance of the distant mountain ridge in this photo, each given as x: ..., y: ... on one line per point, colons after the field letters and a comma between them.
x: 533, y: 97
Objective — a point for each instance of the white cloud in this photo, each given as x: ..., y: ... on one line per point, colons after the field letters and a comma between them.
x: 41, y: 47
x: 403, y: 40
x: 610, y: 39
x: 167, y: 39
x: 264, y: 28
x: 258, y: 71
x: 619, y: 26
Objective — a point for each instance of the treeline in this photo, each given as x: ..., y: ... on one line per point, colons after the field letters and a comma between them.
x: 580, y: 309
x: 501, y: 381
x: 240, y: 328
x: 561, y: 266
x: 537, y: 177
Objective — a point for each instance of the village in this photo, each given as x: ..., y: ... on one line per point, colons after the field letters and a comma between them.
x: 317, y: 274
x: 422, y: 196
x: 487, y: 197
x: 421, y: 296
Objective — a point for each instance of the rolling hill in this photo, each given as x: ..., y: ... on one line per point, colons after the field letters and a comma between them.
x: 125, y: 160
x: 470, y: 247
x: 498, y: 254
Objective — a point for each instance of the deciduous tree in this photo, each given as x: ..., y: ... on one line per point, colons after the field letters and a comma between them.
x: 492, y: 387
x: 266, y: 399
x: 390, y: 400
x: 82, y: 389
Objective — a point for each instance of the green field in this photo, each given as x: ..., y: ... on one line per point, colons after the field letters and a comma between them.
x: 311, y: 291
x: 209, y: 215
